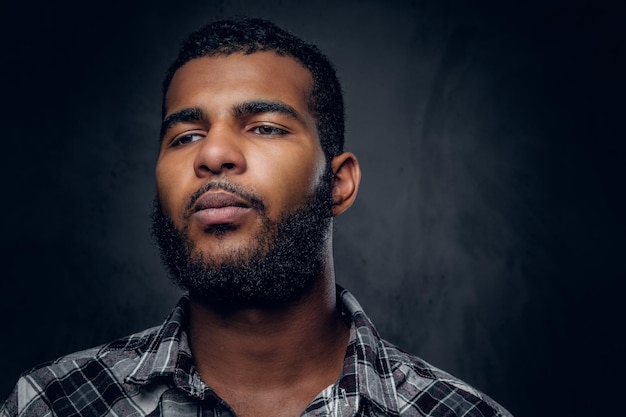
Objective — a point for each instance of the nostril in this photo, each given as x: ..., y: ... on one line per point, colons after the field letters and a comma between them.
x: 228, y: 165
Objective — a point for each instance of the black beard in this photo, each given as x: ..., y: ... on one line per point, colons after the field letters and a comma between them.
x: 279, y: 269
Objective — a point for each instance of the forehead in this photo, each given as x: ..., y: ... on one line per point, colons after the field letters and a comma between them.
x: 237, y: 78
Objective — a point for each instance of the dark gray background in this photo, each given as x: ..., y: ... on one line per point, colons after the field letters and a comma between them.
x: 488, y: 235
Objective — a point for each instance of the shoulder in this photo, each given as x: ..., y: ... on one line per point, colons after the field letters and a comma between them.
x: 423, y: 389
x: 403, y: 383
x: 97, y: 371
x: 114, y: 358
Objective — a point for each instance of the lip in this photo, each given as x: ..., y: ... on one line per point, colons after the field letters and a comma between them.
x: 220, y: 208
x: 217, y: 200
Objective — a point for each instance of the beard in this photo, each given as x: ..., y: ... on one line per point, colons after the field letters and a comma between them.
x: 285, y: 257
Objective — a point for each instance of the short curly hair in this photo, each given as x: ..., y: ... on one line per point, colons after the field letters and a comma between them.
x: 249, y: 35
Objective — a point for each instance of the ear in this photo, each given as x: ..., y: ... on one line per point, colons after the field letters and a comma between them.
x: 347, y: 176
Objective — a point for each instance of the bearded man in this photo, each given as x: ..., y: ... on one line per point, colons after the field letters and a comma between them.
x: 251, y: 171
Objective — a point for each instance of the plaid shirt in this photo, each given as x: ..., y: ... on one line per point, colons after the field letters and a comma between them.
x: 152, y: 374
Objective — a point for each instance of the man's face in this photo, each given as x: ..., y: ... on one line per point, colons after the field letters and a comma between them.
x: 240, y: 155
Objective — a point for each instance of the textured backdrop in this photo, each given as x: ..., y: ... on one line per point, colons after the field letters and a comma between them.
x: 488, y: 235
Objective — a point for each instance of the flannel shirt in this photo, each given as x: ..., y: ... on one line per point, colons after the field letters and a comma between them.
x: 152, y: 374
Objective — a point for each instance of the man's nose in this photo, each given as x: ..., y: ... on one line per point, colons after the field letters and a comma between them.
x: 220, y: 152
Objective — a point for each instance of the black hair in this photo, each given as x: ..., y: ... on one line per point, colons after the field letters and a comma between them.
x: 249, y: 35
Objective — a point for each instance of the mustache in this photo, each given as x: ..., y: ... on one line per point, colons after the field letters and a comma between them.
x: 249, y: 197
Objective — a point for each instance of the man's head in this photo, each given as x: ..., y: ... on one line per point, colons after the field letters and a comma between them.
x: 246, y: 187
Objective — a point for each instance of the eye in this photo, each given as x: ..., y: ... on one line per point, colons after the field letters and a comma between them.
x: 186, y: 138
x: 266, y: 130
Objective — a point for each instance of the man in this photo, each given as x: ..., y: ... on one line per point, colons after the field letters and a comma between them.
x: 251, y: 171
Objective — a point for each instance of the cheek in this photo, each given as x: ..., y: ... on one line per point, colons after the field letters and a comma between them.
x: 291, y: 182
x: 168, y: 189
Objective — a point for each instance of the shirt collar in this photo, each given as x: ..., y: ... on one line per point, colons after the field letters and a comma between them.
x: 366, y: 371
x: 167, y: 354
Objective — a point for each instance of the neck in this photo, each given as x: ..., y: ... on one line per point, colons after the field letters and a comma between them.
x: 303, y: 342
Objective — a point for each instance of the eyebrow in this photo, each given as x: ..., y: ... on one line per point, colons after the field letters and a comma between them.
x: 192, y: 114
x: 250, y: 108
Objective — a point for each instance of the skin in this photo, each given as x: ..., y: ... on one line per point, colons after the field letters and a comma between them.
x: 261, y: 362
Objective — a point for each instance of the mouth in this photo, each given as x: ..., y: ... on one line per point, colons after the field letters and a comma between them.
x: 218, y: 200
x: 220, y: 207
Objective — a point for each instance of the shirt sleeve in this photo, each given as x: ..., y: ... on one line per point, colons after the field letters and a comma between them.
x: 26, y: 400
